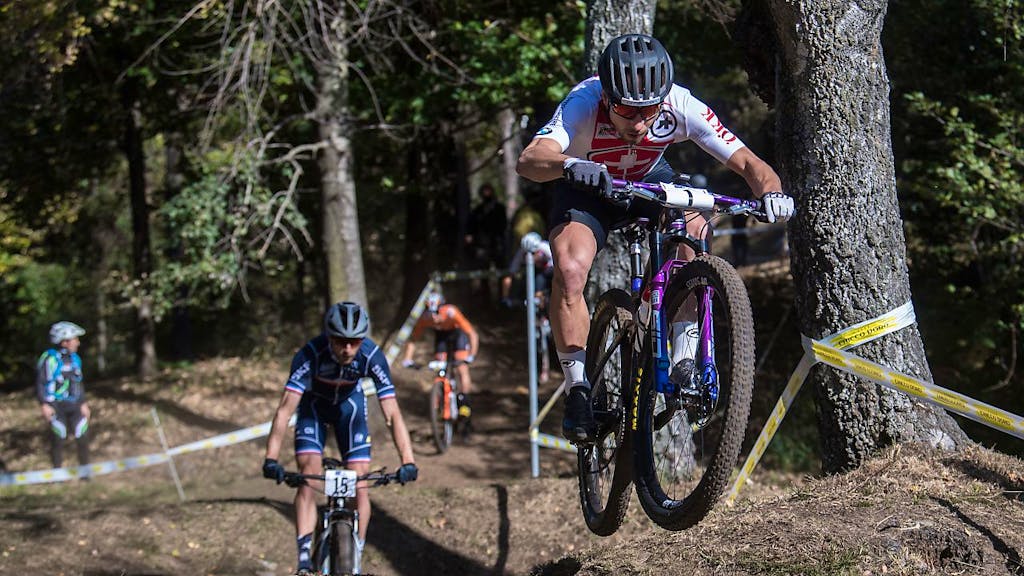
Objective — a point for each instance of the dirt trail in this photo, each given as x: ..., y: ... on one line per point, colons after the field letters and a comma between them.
x: 475, y: 510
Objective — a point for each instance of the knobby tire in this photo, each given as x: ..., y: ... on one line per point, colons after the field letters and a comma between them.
x: 443, y: 429
x: 604, y: 466
x: 680, y: 473
x: 343, y: 553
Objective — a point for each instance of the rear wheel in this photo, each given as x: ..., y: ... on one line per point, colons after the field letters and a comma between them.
x: 604, y: 466
x: 688, y: 441
x: 442, y: 428
x: 343, y: 548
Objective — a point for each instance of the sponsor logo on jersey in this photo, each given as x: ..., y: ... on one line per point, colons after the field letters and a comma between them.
x: 544, y: 130
x: 665, y: 125
x: 716, y: 125
x: 299, y: 372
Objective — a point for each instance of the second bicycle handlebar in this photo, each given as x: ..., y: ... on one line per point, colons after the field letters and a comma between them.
x: 687, y: 197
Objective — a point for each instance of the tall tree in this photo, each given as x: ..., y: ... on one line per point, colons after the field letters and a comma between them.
x: 607, y: 19
x: 342, y: 247
x: 847, y: 247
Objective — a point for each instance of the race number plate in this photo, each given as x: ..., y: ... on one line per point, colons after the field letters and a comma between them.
x: 340, y: 483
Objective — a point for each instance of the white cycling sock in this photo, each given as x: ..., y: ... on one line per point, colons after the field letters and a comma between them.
x: 684, y: 341
x: 574, y: 368
x: 358, y: 553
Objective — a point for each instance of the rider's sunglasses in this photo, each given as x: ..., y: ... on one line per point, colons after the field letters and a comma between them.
x: 630, y: 112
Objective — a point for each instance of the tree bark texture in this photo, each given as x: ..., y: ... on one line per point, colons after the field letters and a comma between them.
x: 341, y: 243
x: 848, y: 250
x: 511, y: 147
x: 142, y: 260
x: 608, y: 19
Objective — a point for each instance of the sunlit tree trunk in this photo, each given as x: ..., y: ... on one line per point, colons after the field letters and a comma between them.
x: 607, y: 19
x: 848, y: 251
x: 341, y: 243
x: 511, y: 147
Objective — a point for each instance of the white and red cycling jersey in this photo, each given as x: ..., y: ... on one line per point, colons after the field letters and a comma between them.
x: 583, y: 129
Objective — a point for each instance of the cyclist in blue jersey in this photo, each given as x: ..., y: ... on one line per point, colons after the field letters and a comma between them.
x: 326, y: 388
x: 61, y: 393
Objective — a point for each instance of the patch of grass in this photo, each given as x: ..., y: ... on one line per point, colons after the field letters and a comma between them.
x: 831, y: 562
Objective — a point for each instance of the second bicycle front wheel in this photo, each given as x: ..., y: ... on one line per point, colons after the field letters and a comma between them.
x: 688, y: 440
x: 443, y: 428
x: 604, y: 465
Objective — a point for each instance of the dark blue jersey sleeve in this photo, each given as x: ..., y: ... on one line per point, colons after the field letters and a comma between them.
x: 378, y: 371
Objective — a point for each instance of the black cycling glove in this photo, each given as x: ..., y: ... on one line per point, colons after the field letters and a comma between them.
x: 272, y: 469
x: 407, y: 473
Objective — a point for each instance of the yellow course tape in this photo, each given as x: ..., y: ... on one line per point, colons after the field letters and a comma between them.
x: 830, y: 350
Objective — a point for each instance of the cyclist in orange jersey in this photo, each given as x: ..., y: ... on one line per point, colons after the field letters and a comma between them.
x: 452, y: 333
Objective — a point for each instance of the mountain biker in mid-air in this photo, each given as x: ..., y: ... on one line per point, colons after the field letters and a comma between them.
x: 617, y: 125
x: 325, y: 386
x: 452, y: 334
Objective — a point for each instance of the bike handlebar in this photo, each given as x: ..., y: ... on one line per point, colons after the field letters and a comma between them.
x: 379, y: 478
x: 687, y: 197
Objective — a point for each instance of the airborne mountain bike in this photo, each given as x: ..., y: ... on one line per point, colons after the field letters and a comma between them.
x: 334, y: 539
x: 670, y: 417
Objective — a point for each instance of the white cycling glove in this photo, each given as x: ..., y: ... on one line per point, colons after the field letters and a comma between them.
x: 778, y: 207
x: 588, y: 175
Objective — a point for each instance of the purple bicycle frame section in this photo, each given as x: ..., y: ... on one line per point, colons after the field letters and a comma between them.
x: 659, y: 324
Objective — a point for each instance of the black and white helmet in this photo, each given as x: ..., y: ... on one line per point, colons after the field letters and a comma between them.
x: 635, y: 70
x: 346, y: 320
x: 64, y: 330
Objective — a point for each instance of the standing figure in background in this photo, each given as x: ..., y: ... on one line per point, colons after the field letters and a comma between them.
x: 487, y: 225
x: 61, y: 393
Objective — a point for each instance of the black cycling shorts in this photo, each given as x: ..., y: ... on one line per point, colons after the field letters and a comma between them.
x: 573, y: 205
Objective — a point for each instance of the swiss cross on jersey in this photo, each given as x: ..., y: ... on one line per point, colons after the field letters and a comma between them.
x: 630, y: 162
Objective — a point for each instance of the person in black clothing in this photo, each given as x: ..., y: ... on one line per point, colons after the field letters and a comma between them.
x: 487, y: 225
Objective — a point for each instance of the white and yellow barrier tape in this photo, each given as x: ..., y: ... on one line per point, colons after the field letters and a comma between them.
x: 229, y: 438
x: 830, y: 350
x: 547, y: 440
x: 111, y: 466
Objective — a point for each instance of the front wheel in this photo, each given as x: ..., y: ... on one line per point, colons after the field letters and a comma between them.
x: 442, y: 419
x: 604, y: 465
x: 343, y: 548
x: 688, y: 438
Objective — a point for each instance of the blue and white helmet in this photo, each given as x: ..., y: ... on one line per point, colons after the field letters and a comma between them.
x: 531, y: 242
x: 64, y: 330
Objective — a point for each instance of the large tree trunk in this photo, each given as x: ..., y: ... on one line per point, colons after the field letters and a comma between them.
x: 607, y: 19
x: 848, y: 252
x: 342, y: 247
x: 142, y: 261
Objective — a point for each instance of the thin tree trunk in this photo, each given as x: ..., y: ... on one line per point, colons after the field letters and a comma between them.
x: 848, y: 250
x: 607, y: 19
x: 145, y: 333
x: 511, y: 147
x: 342, y: 246
x: 174, y: 181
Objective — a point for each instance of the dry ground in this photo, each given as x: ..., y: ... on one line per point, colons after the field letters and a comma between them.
x: 475, y: 509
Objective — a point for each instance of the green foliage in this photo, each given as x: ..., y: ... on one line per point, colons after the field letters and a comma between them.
x: 958, y: 117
